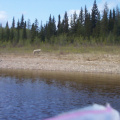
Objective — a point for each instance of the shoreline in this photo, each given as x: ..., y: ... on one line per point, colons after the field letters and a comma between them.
x: 83, y: 63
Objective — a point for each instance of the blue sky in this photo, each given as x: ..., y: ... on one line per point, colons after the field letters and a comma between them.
x: 41, y: 9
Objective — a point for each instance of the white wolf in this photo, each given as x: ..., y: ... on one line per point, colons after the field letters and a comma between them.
x: 37, y: 51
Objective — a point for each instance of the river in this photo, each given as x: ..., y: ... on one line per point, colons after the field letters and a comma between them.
x: 33, y: 95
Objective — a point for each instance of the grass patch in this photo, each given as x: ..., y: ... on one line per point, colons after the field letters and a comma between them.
x: 82, y: 49
x: 47, y: 48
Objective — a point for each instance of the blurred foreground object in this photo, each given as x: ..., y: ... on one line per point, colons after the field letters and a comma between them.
x: 94, y: 112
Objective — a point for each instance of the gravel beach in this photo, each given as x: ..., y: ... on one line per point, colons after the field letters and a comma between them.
x: 100, y: 63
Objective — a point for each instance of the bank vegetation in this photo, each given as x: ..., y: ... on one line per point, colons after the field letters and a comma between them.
x: 70, y: 34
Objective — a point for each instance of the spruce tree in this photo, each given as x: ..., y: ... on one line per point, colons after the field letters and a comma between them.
x: 32, y: 33
x: 94, y: 15
x: 22, y: 22
x: 59, y: 27
x: 13, y: 23
x: 41, y: 33
x: 2, y: 34
x: 104, y: 22
x: 118, y: 21
x: 7, y: 32
x: 28, y: 24
x: 49, y: 28
x: 24, y: 34
x: 12, y: 35
x: 81, y: 16
x: 36, y: 27
x: 110, y: 24
x: 80, y: 23
x: 97, y: 28
x: 54, y: 26
x: 85, y: 16
x: 65, y: 23
x: 114, y: 15
x: 87, y: 24
x: 74, y: 27
x: 18, y: 32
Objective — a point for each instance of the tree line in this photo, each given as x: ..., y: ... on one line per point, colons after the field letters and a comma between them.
x: 87, y: 27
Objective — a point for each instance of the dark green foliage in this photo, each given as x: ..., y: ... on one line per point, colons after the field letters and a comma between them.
x: 18, y: 32
x: 50, y: 29
x: 59, y: 26
x: 28, y: 24
x: 7, y: 31
x: 95, y: 13
x: 65, y: 23
x: 42, y: 34
x: 36, y: 27
x: 85, y: 28
x: 104, y: 22
x: 87, y: 24
x: 2, y: 34
x: 22, y: 22
x: 13, y: 23
x: 32, y: 33
x: 74, y: 24
x: 117, y: 22
x: 110, y: 22
x: 81, y: 17
x: 24, y: 34
x: 96, y: 30
x: 12, y: 35
x: 80, y: 24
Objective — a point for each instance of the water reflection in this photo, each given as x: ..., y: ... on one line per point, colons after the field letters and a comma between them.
x: 39, y: 94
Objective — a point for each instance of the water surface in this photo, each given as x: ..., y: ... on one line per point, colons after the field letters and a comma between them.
x: 34, y: 95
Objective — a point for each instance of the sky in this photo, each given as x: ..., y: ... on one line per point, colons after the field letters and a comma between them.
x: 41, y: 9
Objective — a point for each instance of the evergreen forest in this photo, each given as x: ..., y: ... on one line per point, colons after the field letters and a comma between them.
x: 92, y: 28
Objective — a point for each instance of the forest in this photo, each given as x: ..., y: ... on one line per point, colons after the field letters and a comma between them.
x: 92, y: 28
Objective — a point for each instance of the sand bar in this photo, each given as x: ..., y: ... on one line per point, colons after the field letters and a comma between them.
x: 93, y: 63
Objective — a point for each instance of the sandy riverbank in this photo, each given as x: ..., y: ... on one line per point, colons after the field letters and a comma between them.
x: 94, y: 63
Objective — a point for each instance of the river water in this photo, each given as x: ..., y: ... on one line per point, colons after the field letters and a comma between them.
x: 33, y: 95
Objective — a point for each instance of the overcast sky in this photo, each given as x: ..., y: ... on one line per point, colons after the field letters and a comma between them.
x: 41, y: 9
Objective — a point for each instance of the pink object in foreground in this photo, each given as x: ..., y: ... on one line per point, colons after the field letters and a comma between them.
x: 94, y: 112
